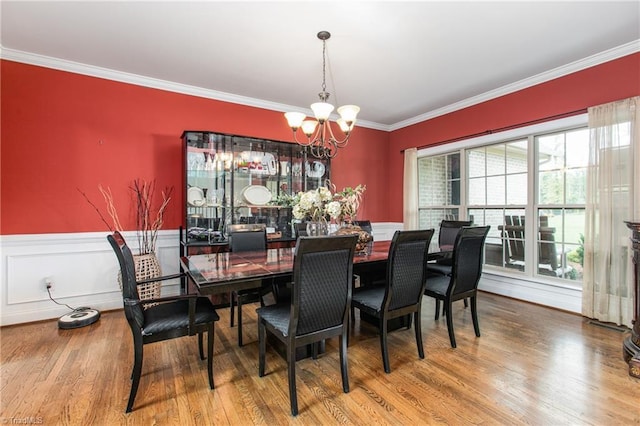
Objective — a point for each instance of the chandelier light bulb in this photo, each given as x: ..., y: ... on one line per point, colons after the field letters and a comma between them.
x: 322, y: 111
x: 308, y: 127
x: 294, y: 119
x: 349, y: 112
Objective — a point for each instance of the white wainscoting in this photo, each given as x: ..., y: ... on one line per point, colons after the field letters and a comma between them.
x: 82, y: 267
x: 84, y: 271
x: 555, y: 295
x: 383, y: 231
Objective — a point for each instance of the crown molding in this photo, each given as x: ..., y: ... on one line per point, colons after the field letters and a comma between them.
x: 154, y: 83
x: 123, y: 77
x: 588, y: 62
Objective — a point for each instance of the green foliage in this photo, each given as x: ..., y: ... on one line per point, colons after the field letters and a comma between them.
x: 577, y: 255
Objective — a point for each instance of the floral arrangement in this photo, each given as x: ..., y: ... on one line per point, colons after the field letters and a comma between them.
x: 322, y: 204
x: 148, y: 220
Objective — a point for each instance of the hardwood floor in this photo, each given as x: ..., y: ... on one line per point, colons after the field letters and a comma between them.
x: 532, y: 365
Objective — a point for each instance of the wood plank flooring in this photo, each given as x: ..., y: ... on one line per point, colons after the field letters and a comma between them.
x: 532, y: 366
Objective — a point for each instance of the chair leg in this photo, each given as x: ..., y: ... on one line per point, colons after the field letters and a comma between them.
x: 447, y: 312
x: 291, y: 367
x: 466, y: 303
x: 231, y: 307
x: 261, y: 347
x: 437, y: 309
x: 210, y: 339
x: 418, y: 329
x: 200, y: 346
x: 239, y: 300
x: 343, y: 359
x: 137, y: 371
x: 383, y: 345
x: 474, y: 315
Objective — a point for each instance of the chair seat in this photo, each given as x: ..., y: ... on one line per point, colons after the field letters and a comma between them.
x: 437, y: 284
x: 439, y: 268
x: 369, y: 298
x: 169, y: 316
x: 277, y: 315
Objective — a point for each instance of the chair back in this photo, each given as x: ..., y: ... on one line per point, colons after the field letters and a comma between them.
x: 407, y: 268
x: 514, y: 234
x: 468, y: 256
x: 321, y: 289
x: 251, y: 240
x: 130, y: 296
x: 448, y: 233
x: 301, y: 229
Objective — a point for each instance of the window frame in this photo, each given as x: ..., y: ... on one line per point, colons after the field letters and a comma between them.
x: 532, y: 207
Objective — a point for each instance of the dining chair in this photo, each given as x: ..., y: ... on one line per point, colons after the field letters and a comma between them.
x: 468, y: 256
x: 242, y: 241
x: 446, y: 240
x: 163, y: 318
x: 404, y: 286
x: 319, y: 305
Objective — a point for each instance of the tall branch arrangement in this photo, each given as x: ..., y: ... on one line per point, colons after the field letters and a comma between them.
x: 148, y: 224
x: 148, y: 221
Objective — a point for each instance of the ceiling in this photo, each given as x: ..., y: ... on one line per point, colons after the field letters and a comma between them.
x: 401, y: 62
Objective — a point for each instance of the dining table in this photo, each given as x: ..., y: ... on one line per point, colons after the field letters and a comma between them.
x: 219, y: 273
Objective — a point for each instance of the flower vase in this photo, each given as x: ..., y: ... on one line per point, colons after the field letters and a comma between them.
x: 317, y: 229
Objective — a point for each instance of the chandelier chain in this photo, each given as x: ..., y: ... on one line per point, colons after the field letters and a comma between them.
x: 324, y: 67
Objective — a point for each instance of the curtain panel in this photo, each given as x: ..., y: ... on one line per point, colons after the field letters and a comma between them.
x: 613, y: 196
x: 410, y: 189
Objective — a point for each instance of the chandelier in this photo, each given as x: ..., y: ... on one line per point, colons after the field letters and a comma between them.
x: 320, y: 138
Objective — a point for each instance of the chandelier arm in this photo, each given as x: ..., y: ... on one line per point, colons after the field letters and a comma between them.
x: 337, y: 143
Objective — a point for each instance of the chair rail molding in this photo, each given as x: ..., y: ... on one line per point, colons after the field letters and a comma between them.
x: 81, y: 266
x: 84, y: 272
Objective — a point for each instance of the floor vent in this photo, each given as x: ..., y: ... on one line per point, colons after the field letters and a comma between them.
x: 619, y: 328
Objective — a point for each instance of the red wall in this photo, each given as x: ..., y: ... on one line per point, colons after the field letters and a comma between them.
x: 64, y: 132
x: 618, y: 79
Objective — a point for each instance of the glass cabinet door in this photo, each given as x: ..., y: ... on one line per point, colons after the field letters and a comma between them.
x: 234, y: 179
x: 208, y: 168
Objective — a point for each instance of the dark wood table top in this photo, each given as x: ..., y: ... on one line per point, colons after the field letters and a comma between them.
x: 222, y: 272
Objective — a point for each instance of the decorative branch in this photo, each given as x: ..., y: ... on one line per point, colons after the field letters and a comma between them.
x: 147, y: 224
x: 116, y: 223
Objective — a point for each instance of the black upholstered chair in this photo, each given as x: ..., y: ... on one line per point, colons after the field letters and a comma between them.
x: 247, y: 240
x: 468, y: 253
x: 166, y: 317
x: 446, y: 240
x: 319, y: 305
x: 402, y: 293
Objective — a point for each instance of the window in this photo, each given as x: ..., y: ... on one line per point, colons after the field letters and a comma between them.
x: 441, y: 174
x: 561, y: 159
x: 528, y: 184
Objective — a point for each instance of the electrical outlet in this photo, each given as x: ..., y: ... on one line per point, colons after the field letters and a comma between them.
x: 48, y: 284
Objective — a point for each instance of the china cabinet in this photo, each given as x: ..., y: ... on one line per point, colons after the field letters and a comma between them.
x: 631, y: 344
x: 231, y: 179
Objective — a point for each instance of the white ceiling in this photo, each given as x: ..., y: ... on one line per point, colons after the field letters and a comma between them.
x: 401, y: 62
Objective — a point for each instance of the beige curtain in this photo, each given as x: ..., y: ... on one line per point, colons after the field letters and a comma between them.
x: 410, y: 189
x: 613, y: 196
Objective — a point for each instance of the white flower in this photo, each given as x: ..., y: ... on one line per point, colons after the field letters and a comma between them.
x: 334, y: 209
